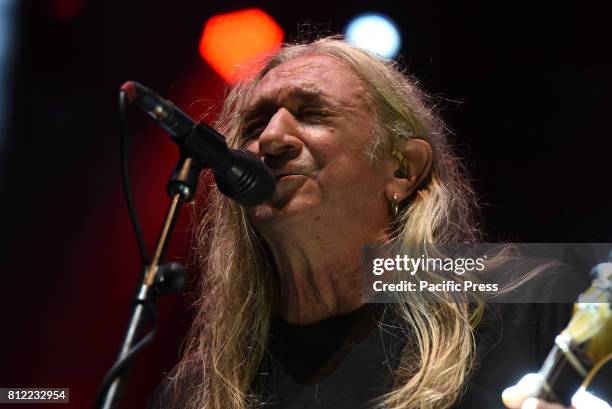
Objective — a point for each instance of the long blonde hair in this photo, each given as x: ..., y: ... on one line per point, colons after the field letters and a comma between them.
x: 227, y: 340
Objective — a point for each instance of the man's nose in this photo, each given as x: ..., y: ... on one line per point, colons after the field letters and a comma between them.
x: 281, y: 135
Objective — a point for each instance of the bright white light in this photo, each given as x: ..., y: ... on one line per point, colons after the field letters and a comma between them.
x: 376, y: 33
x: 583, y: 399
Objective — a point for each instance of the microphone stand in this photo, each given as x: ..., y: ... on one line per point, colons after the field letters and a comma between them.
x: 239, y: 174
x: 157, y: 279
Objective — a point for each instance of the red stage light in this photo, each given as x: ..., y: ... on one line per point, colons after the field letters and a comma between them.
x: 233, y: 39
x: 67, y: 9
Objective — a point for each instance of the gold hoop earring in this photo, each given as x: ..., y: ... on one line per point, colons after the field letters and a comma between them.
x: 394, y: 206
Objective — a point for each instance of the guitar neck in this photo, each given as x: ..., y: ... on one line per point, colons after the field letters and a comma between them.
x: 561, y: 378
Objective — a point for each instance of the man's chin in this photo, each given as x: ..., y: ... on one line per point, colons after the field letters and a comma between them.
x: 269, y: 211
x: 272, y: 211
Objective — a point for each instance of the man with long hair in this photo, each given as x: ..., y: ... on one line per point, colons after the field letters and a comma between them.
x: 360, y: 156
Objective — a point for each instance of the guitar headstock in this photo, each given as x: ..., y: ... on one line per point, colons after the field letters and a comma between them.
x: 592, y: 314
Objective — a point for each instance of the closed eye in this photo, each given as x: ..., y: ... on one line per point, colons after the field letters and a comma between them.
x: 252, y: 131
x: 303, y: 113
x: 313, y: 114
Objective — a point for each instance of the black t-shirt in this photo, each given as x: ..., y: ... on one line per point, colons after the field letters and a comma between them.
x: 347, y: 362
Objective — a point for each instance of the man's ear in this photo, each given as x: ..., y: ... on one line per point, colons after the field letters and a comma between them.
x: 411, y: 164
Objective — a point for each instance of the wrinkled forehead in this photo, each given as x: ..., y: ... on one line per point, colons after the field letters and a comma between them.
x: 315, y: 74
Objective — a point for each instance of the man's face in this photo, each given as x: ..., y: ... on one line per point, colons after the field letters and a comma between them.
x: 310, y: 121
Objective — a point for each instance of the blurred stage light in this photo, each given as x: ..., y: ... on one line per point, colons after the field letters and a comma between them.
x: 67, y: 9
x: 8, y: 30
x: 233, y: 39
x: 376, y: 33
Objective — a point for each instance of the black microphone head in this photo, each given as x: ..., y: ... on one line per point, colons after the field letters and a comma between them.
x: 248, y: 181
x: 135, y: 90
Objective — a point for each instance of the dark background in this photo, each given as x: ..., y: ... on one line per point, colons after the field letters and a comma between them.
x: 533, y: 85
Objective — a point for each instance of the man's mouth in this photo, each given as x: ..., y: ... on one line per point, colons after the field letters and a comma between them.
x: 282, y: 175
x: 286, y: 186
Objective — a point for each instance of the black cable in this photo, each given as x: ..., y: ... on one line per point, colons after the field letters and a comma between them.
x: 123, y: 364
x: 127, y: 189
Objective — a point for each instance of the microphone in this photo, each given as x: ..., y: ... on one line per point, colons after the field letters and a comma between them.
x: 238, y: 173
